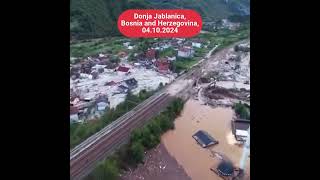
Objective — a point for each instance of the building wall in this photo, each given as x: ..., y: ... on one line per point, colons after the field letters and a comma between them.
x: 186, y: 54
x: 74, y: 117
x: 198, y: 45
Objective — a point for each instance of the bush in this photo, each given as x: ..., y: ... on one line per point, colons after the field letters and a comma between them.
x: 106, y: 170
x: 160, y: 85
x: 242, y: 111
x: 141, y: 139
x: 166, y: 124
x: 115, y: 59
x: 136, y: 152
x: 154, y: 127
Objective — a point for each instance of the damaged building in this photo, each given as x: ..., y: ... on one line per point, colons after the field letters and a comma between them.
x: 131, y: 83
x: 240, y: 129
x: 163, y: 65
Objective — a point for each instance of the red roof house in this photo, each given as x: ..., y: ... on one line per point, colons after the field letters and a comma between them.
x: 110, y: 83
x: 73, y: 110
x: 163, y: 65
x: 151, y: 54
x: 123, y: 69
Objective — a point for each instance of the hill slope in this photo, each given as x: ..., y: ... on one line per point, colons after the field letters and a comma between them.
x: 97, y: 18
x: 209, y: 9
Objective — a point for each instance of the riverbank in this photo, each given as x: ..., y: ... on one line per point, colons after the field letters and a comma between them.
x: 159, y: 165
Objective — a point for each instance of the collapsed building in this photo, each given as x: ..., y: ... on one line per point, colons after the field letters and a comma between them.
x: 100, y: 75
x: 163, y: 65
x: 240, y: 129
x: 228, y: 79
x: 242, y: 47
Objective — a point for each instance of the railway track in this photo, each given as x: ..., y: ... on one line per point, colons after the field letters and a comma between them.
x: 76, y: 150
x: 87, y: 154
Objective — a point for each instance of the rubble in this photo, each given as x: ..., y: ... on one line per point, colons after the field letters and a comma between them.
x: 115, y: 85
x: 228, y: 76
x: 103, y: 74
x: 158, y: 165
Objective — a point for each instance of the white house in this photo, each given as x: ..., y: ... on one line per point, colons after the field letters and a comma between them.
x: 126, y: 44
x: 240, y: 129
x: 102, y: 55
x: 101, y: 106
x: 173, y: 58
x: 196, y: 44
x: 164, y: 46
x: 185, y: 52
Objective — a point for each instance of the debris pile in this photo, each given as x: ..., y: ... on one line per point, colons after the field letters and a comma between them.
x: 228, y: 76
x: 115, y: 75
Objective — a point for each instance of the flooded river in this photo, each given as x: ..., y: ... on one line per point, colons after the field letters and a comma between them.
x: 194, y: 159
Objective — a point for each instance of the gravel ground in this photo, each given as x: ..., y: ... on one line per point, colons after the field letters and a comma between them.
x: 159, y: 165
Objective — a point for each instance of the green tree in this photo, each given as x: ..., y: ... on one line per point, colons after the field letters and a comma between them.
x: 106, y: 170
x: 160, y: 85
x: 154, y: 141
x: 143, y: 45
x: 81, y: 131
x: 242, y: 111
x: 131, y: 57
x: 146, y: 137
x: 111, y: 170
x: 136, y: 135
x: 154, y: 128
x: 136, y: 152
x: 165, y: 125
x: 115, y: 59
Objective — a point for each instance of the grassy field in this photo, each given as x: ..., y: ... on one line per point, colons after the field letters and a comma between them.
x: 167, y: 52
x: 183, y: 63
x: 106, y: 45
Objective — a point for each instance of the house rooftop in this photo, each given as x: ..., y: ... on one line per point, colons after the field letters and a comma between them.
x: 151, y: 53
x: 131, y: 81
x: 185, y: 49
x: 122, y: 87
x: 204, y: 139
x: 198, y: 40
x: 225, y: 168
x: 162, y: 60
x: 240, y: 124
x: 240, y: 129
x: 123, y: 69
x: 73, y: 110
x: 110, y: 83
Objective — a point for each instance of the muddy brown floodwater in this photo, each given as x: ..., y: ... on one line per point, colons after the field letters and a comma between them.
x: 196, y: 160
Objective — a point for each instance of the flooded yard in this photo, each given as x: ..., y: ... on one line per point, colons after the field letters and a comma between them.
x: 196, y: 160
